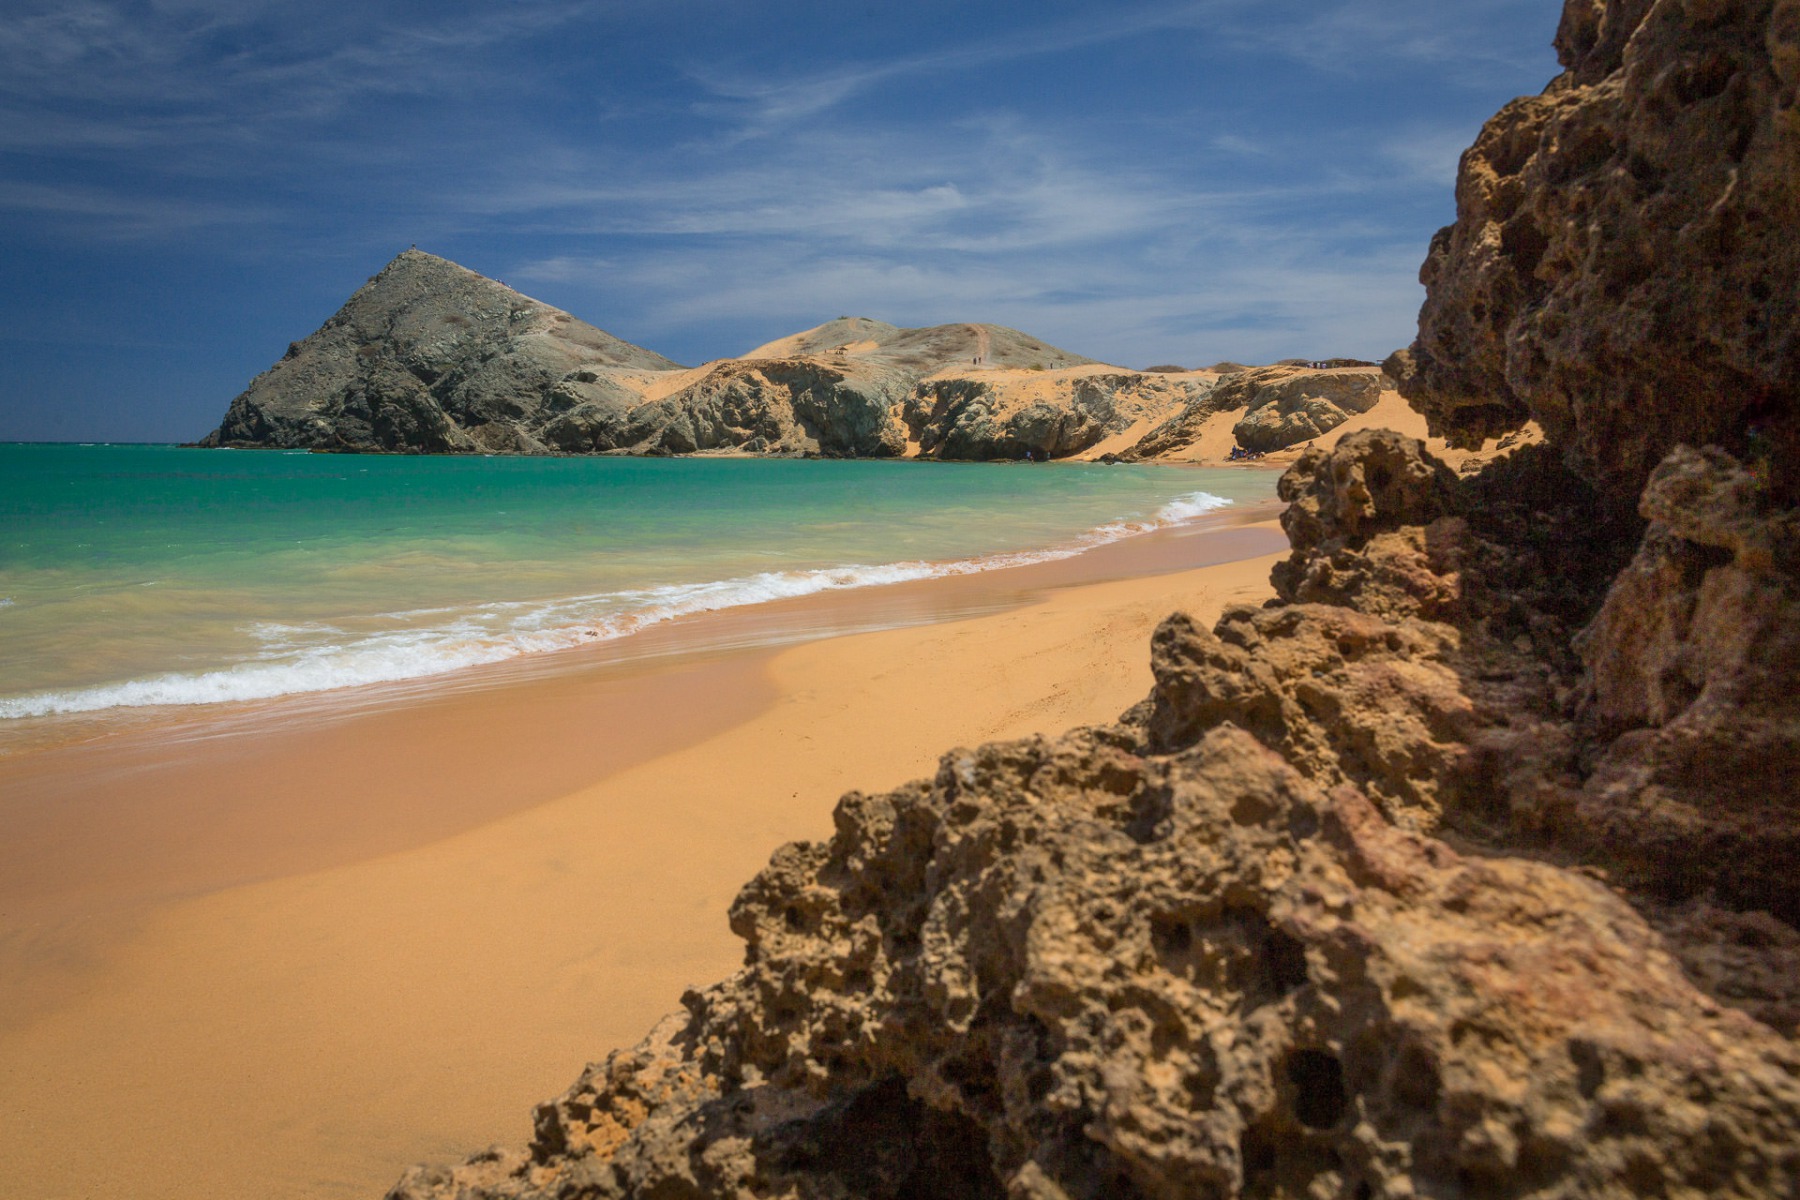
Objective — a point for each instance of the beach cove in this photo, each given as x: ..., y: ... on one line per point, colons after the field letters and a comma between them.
x: 300, y: 940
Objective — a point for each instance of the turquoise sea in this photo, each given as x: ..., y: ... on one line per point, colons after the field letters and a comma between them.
x: 136, y: 576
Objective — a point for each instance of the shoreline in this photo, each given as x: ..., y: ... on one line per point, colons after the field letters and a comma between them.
x: 425, y: 745
x: 459, y: 637
x: 381, y: 934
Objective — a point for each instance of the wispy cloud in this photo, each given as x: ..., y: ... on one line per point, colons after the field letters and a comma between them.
x: 765, y: 104
x: 1164, y: 180
x: 128, y: 217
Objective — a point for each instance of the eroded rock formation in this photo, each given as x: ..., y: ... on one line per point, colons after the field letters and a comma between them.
x: 1468, y: 866
x: 790, y: 406
x: 1063, y: 969
x: 1623, y: 267
x: 1283, y: 406
x: 429, y: 357
x: 1055, y: 417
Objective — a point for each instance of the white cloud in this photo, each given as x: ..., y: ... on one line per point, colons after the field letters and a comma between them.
x: 128, y: 217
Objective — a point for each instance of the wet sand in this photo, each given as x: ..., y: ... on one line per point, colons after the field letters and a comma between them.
x: 287, y: 950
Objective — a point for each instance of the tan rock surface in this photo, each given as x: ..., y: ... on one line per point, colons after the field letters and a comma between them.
x: 1062, y: 969
x: 1282, y: 406
x: 1062, y: 413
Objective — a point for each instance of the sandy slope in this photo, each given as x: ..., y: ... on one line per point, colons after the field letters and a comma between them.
x: 1215, y: 442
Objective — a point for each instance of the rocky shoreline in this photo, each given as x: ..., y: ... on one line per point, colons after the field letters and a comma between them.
x: 1468, y: 866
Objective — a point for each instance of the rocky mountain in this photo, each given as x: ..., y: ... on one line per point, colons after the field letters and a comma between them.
x: 429, y: 357
x: 1467, y: 867
x: 425, y: 357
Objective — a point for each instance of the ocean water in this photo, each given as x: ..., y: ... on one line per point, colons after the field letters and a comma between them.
x: 135, y: 576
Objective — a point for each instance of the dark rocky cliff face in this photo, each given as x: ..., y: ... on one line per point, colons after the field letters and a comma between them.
x: 1467, y: 867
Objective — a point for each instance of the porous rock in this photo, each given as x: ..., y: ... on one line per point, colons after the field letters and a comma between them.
x: 1691, y: 672
x: 1623, y: 268
x: 1064, y: 969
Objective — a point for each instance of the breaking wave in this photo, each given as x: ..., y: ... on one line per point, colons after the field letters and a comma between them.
x: 317, y: 657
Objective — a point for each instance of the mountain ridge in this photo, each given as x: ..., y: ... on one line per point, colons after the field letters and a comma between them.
x: 431, y: 357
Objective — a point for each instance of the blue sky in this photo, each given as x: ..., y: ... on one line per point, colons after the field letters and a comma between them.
x: 188, y: 185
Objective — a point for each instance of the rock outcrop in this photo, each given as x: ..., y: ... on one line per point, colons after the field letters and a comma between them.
x: 426, y: 357
x: 789, y: 406
x: 1062, y: 969
x: 1227, y: 946
x: 1062, y: 414
x: 1622, y: 268
x: 429, y: 357
x: 1467, y: 866
x: 1283, y: 406
x: 923, y: 351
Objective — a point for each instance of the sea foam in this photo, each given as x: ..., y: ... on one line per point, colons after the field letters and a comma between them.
x: 314, y: 658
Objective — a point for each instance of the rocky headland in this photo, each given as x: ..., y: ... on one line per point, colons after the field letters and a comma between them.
x: 430, y: 357
x: 1467, y: 866
x: 427, y: 357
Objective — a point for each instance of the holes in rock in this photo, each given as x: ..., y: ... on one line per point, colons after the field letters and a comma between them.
x: 1590, y: 1069
x: 1171, y: 936
x: 1256, y: 1150
x: 1379, y: 478
x: 1525, y: 244
x: 883, y: 1144
x: 1740, y: 141
x: 1284, y: 959
x: 1318, y: 1080
x: 1303, y: 821
x: 1648, y: 175
x: 1416, y: 1082
x: 974, y: 1077
x: 1583, y: 152
x: 1703, y: 80
x: 1149, y: 815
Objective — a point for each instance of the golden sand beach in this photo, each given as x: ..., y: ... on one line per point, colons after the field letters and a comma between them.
x: 286, y: 954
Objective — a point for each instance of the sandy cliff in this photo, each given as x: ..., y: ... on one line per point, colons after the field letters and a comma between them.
x: 1469, y: 866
